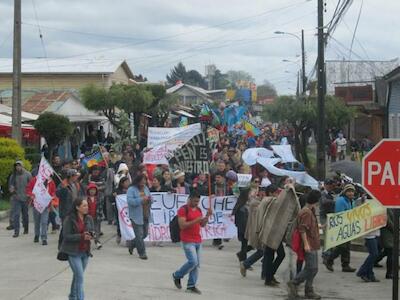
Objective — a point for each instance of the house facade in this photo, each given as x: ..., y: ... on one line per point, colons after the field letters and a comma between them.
x: 62, y: 74
x: 359, y: 84
x: 193, y: 95
x: 393, y: 104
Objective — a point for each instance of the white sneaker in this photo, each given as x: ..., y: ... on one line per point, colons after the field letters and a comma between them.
x: 98, y: 245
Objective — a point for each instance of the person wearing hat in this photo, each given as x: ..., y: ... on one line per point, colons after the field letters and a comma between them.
x: 343, y: 203
x: 180, y: 186
x: 17, y: 184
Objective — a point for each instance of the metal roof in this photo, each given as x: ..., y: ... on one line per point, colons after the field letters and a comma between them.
x: 356, y: 71
x: 65, y: 66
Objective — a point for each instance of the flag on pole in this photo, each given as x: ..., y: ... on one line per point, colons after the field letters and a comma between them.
x: 42, y: 196
x: 125, y: 224
x: 251, y: 129
x: 94, y: 159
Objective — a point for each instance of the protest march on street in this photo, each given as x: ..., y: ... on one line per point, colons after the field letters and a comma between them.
x: 215, y: 149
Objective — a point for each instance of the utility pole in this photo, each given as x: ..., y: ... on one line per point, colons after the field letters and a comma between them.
x: 16, y: 94
x: 303, y: 64
x: 321, y: 94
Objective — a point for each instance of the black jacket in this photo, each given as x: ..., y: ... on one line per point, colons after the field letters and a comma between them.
x: 71, y: 236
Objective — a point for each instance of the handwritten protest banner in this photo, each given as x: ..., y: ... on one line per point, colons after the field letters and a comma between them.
x: 162, y: 140
x: 165, y: 206
x: 346, y: 226
x: 174, y: 137
x: 192, y: 158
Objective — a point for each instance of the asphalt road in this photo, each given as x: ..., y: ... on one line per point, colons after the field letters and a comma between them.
x: 31, y: 272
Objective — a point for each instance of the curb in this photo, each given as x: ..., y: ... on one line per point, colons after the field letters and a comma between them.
x: 4, y: 214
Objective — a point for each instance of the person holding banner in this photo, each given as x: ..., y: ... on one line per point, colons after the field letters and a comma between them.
x: 41, y: 219
x: 139, y: 204
x: 343, y: 203
x: 191, y: 220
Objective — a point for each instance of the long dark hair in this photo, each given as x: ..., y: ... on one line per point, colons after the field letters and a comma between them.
x: 137, y: 179
x: 242, y: 200
x: 76, y: 203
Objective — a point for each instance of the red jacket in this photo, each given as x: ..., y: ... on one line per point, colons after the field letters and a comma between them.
x: 51, y: 188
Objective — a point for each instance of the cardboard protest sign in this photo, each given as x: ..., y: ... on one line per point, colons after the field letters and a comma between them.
x: 193, y: 157
x: 164, y: 208
x: 346, y: 226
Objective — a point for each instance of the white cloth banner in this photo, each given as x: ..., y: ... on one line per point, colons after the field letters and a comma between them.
x: 162, y: 140
x: 251, y: 155
x: 301, y: 177
x: 42, y: 197
x: 165, y: 206
x: 125, y: 224
x: 244, y: 179
x: 284, y: 152
x: 176, y: 135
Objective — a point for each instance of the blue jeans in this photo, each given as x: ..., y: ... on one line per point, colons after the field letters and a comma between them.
x: 367, y: 268
x: 252, y: 259
x: 141, y: 232
x: 192, y: 252
x: 78, y: 265
x: 310, y: 270
x: 41, y: 220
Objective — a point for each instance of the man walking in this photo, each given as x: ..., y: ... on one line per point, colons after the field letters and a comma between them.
x: 190, y: 219
x: 307, y: 225
x: 17, y: 184
x: 343, y: 203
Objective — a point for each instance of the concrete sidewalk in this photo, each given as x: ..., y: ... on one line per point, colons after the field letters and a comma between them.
x: 30, y: 271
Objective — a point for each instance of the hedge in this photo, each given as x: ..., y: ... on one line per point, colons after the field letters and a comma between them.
x: 10, y: 151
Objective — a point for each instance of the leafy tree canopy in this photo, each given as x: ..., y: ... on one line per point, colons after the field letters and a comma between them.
x: 54, y: 128
x: 266, y: 90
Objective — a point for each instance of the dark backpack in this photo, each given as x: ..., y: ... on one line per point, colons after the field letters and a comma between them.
x: 174, y: 229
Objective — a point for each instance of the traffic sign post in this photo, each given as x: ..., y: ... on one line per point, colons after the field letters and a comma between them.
x: 381, y: 179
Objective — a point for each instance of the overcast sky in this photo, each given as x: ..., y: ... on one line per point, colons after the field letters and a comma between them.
x: 154, y: 35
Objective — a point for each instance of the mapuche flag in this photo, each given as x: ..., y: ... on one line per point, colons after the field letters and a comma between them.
x: 94, y: 159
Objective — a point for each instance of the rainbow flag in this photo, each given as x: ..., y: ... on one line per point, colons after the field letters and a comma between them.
x: 94, y: 159
x: 250, y: 128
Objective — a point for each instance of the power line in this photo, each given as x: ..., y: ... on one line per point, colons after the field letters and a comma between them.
x: 42, y: 41
x: 355, y: 28
x: 187, y: 32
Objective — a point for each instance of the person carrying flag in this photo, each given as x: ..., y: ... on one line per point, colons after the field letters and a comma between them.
x: 41, y: 218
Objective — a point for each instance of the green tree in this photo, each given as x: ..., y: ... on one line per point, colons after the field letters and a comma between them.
x: 266, y: 90
x: 137, y: 100
x: 196, y: 79
x: 54, y: 128
x: 178, y: 73
x: 302, y: 117
x: 191, y: 77
x: 99, y: 99
x: 220, y: 80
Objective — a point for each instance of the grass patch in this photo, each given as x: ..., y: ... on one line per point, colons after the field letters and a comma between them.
x: 4, y: 205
